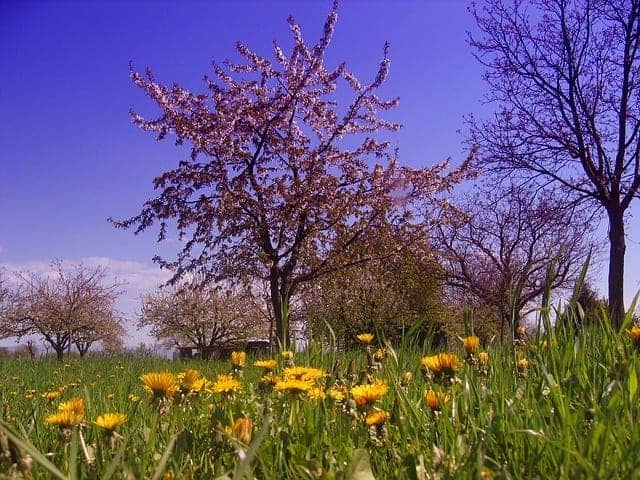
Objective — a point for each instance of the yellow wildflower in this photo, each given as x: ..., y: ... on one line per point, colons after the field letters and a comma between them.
x: 337, y: 393
x: 634, y: 334
x: 407, y: 378
x: 471, y: 344
x: 379, y: 355
x: 303, y: 373
x: 110, y: 421
x: 483, y: 358
x: 269, y: 379
x: 367, y: 394
x: 74, y: 406
x: 286, y: 354
x: 294, y: 386
x: 522, y: 364
x: 241, y: 430
x: 63, y: 419
x: 162, y: 385
x: 226, y: 384
x: 53, y: 395
x: 133, y: 398
x: 435, y: 400
x: 442, y: 363
x: 191, y: 381
x: 316, y: 393
x: 238, y: 359
x: 486, y: 474
x: 365, y: 338
x: 376, y: 418
x: 268, y: 365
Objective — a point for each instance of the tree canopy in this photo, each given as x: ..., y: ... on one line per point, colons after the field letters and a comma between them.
x: 564, y: 75
x: 285, y: 175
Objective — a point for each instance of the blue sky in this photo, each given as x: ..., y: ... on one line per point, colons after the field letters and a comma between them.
x: 70, y: 157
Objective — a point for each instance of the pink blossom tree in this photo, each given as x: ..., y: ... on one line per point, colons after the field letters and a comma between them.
x: 281, y: 182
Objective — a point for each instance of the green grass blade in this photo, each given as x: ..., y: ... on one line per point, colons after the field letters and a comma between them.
x: 38, y: 457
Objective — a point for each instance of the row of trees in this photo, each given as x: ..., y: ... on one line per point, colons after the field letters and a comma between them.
x: 67, y: 307
x: 494, y: 257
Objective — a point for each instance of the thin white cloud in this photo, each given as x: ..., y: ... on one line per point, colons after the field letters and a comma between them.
x: 136, y: 276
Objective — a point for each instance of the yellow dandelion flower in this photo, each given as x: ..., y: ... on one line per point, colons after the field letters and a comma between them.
x: 486, y: 474
x: 483, y: 358
x: 162, y: 385
x: 521, y: 331
x: 63, y: 419
x: 304, y: 373
x: 286, y: 354
x: 376, y: 418
x: 269, y: 379
x: 238, y: 359
x: 268, y: 365
x: 365, y: 338
x: 379, y: 355
x: 191, y: 381
x: 634, y: 334
x: 435, y: 400
x: 133, y: 398
x: 471, y: 344
x: 226, y: 384
x: 368, y: 394
x: 316, y: 393
x: 294, y: 386
x: 53, y: 395
x: 522, y: 364
x: 110, y: 421
x: 241, y: 430
x: 442, y: 363
x: 73, y: 405
x: 337, y: 393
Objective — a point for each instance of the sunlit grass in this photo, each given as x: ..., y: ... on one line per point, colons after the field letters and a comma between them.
x: 561, y: 405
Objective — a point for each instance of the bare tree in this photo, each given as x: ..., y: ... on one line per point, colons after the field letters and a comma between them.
x: 62, y: 306
x: 281, y: 180
x: 202, y: 317
x: 499, y: 253
x: 565, y: 75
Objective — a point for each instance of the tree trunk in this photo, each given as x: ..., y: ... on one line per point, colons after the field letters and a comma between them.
x: 280, y: 303
x: 59, y: 352
x: 617, y: 249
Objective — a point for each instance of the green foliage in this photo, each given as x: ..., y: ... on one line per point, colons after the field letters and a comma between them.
x: 386, y: 296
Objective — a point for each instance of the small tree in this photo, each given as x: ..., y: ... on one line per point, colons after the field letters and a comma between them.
x: 62, y: 306
x: 385, y: 296
x: 280, y: 183
x: 104, y: 327
x: 499, y: 252
x: 564, y: 74
x: 202, y: 317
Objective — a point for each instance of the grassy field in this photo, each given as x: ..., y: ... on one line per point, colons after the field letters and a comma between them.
x: 561, y: 406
